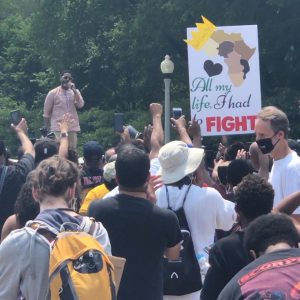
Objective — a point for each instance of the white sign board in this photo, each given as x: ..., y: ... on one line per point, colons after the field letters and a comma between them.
x: 224, y: 79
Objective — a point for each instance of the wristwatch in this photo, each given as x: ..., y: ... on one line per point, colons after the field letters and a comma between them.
x: 63, y: 134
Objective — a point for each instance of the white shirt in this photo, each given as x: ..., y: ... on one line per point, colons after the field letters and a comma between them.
x: 154, y: 167
x: 112, y: 193
x: 205, y: 211
x: 285, y: 177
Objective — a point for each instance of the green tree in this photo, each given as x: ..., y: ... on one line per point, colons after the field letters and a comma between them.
x: 18, y: 60
x: 114, y: 48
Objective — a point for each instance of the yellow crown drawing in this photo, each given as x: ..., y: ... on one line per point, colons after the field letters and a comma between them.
x: 200, y: 37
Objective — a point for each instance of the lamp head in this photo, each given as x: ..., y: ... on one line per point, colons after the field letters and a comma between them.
x: 167, y: 66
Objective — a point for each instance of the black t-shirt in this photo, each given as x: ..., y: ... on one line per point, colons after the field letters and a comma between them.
x: 226, y: 258
x: 14, y: 179
x: 275, y: 275
x: 140, y: 232
x: 91, y: 178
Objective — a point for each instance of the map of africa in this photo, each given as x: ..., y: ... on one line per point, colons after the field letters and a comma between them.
x: 236, y: 55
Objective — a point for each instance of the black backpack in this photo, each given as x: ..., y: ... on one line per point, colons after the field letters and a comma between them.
x: 182, y: 276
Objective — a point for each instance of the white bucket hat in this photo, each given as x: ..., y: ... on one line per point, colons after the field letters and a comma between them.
x: 177, y: 160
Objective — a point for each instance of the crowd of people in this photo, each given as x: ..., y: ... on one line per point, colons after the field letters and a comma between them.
x: 187, y: 229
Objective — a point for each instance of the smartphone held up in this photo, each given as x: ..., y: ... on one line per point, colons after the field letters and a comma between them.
x: 15, y: 117
x: 119, y: 122
x: 119, y: 127
x: 176, y: 112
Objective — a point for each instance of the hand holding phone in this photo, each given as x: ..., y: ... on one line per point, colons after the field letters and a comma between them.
x: 71, y: 85
x: 134, y: 134
x: 177, y: 112
x: 15, y: 117
x: 119, y: 122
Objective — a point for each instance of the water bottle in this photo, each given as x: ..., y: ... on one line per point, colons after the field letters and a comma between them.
x: 204, y: 265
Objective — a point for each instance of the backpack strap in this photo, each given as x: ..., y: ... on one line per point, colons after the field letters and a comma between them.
x: 89, y: 225
x: 92, y: 227
x: 183, y: 216
x: 3, y: 175
x: 48, y: 234
x: 168, y: 197
x: 188, y: 189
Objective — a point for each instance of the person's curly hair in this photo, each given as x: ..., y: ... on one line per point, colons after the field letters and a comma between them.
x: 237, y: 170
x: 270, y: 230
x: 54, y: 176
x: 254, y: 197
x: 231, y: 151
x: 73, y: 156
x: 26, y: 208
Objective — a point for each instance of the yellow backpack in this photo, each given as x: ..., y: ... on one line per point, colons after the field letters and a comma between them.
x: 79, y: 269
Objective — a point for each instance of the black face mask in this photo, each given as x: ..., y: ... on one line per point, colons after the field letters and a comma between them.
x: 265, y: 145
x: 65, y: 81
x: 65, y: 84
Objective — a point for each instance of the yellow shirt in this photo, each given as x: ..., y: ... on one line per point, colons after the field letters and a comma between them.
x: 96, y: 193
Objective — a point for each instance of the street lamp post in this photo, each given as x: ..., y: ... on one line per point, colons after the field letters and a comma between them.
x: 167, y: 68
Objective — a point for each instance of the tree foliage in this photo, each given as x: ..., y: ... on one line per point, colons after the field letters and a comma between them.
x: 114, y: 49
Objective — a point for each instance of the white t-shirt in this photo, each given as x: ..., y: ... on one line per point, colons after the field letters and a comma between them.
x: 112, y: 193
x: 205, y: 211
x: 154, y: 167
x: 285, y: 177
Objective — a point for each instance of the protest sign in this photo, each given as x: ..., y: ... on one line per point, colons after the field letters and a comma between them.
x: 224, y: 77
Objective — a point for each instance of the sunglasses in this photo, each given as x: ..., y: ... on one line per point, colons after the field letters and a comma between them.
x: 51, y: 135
x: 67, y: 78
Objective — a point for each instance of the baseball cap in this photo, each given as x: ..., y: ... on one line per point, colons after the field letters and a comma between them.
x: 45, y: 148
x: 177, y: 160
x: 92, y: 150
